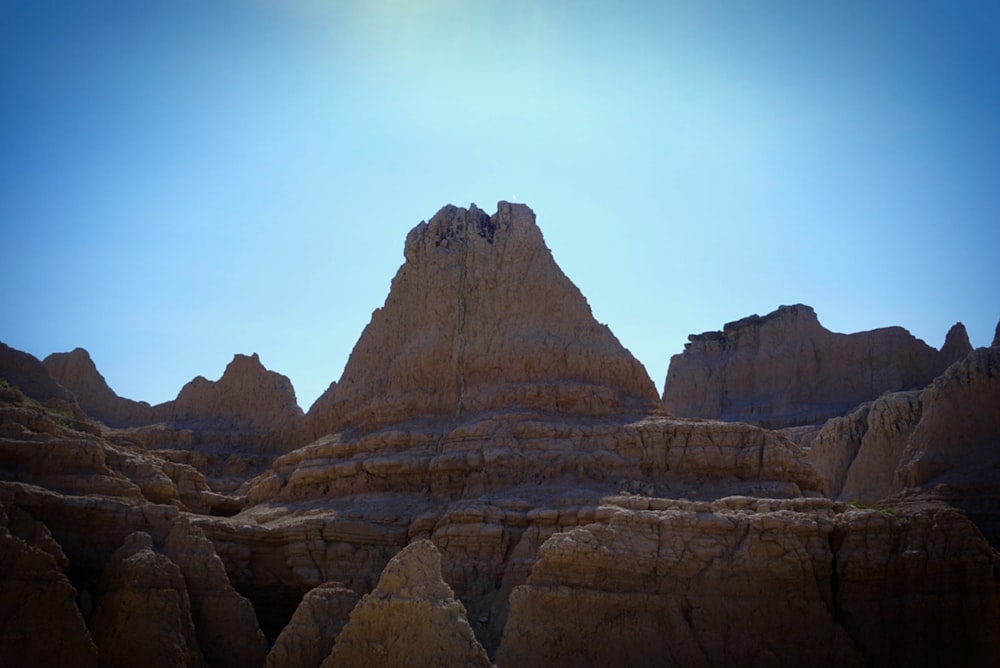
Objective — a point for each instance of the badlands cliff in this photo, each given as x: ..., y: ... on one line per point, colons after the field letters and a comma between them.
x: 494, y: 481
x: 785, y: 369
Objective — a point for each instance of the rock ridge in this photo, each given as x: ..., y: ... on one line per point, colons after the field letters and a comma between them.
x: 785, y: 369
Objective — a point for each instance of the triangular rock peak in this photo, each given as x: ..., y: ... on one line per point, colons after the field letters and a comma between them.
x: 479, y: 318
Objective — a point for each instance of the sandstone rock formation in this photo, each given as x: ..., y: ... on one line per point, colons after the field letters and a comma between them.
x: 143, y: 615
x: 308, y: 638
x: 748, y: 582
x: 411, y: 618
x: 481, y: 318
x: 493, y: 477
x: 77, y: 372
x: 40, y: 623
x: 24, y: 372
x: 786, y: 369
x: 945, y: 438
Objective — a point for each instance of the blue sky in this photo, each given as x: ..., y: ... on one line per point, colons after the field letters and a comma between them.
x: 182, y: 181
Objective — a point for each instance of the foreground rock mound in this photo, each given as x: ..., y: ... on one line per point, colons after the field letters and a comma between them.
x: 748, y: 582
x: 410, y: 619
x: 480, y: 318
x: 786, y: 369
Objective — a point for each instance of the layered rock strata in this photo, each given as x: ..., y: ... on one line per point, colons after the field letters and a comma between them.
x: 786, y: 369
x: 481, y: 318
x: 750, y: 582
x: 945, y: 438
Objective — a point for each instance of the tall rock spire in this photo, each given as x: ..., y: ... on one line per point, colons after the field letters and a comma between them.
x: 479, y: 318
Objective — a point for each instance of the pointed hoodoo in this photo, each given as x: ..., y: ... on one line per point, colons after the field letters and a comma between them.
x: 480, y: 318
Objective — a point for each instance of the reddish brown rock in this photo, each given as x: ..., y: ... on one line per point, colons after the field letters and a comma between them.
x: 480, y: 318
x: 411, y: 618
x: 23, y: 372
x: 786, y: 369
x: 77, y: 372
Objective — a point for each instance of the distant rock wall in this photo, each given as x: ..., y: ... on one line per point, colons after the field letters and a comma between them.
x: 785, y: 369
x: 77, y: 372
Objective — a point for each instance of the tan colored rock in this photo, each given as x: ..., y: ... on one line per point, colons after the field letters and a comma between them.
x: 308, y: 638
x: 411, y: 618
x: 26, y: 373
x: 40, y: 624
x: 786, y: 369
x: 945, y: 438
x: 225, y: 621
x: 747, y: 582
x: 248, y: 396
x: 143, y: 613
x: 481, y: 318
x: 858, y: 454
x: 77, y: 372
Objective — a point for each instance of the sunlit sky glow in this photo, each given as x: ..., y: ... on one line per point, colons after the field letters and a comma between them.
x: 181, y: 181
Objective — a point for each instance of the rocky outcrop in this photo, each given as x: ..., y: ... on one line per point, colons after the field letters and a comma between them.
x: 747, y: 582
x: 143, y: 614
x: 308, y: 638
x: 77, y: 372
x: 411, y: 618
x: 40, y: 623
x: 786, y: 369
x: 246, y: 397
x: 481, y: 318
x: 946, y: 436
x: 23, y: 371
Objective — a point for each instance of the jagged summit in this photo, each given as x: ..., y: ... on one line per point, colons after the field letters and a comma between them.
x: 478, y: 318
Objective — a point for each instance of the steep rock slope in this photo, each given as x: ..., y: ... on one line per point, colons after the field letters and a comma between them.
x: 786, y: 369
x: 479, y: 318
x: 945, y: 438
x: 77, y: 372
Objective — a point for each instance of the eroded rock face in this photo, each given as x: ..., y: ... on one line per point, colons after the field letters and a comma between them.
x: 143, y: 613
x: 77, y: 372
x: 308, y: 638
x: 747, y: 582
x: 481, y: 318
x: 23, y: 371
x: 411, y: 618
x: 786, y: 369
x: 945, y: 438
x: 40, y: 623
x: 248, y: 396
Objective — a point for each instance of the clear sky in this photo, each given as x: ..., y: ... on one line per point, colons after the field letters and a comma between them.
x: 185, y: 180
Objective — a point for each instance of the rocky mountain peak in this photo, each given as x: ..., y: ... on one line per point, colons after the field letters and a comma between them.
x: 478, y: 318
x: 247, y: 396
x: 956, y: 343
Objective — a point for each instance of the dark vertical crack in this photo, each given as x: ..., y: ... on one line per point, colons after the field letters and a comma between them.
x: 460, y: 320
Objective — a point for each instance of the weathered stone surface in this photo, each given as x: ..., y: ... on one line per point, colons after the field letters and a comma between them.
x: 30, y: 376
x: 945, y: 438
x: 411, y: 618
x: 308, y: 638
x: 247, y: 396
x: 226, y: 625
x: 40, y: 624
x: 481, y: 318
x: 143, y: 614
x: 748, y: 582
x: 786, y: 369
x: 77, y: 372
